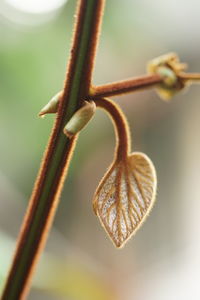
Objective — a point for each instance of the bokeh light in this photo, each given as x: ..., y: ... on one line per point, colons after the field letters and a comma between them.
x: 36, y: 6
x: 30, y: 13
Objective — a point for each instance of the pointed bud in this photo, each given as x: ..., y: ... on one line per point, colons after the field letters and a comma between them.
x: 52, y: 106
x: 80, y: 119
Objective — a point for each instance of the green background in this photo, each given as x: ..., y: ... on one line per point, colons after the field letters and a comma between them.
x: 80, y: 263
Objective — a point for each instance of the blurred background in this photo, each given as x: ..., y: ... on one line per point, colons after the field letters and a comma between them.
x: 80, y: 263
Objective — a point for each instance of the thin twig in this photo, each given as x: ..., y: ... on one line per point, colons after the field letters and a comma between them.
x: 190, y: 76
x: 125, y: 86
x: 48, y: 186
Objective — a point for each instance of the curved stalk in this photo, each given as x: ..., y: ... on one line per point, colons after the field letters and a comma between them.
x: 123, y: 140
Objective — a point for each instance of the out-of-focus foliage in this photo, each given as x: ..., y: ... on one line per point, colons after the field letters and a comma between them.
x: 66, y: 277
x: 162, y: 260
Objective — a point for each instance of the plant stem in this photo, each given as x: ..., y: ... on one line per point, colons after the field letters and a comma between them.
x: 121, y: 126
x: 125, y: 86
x: 48, y: 186
x: 189, y: 76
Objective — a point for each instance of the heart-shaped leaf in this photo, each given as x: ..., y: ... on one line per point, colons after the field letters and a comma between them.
x: 125, y: 196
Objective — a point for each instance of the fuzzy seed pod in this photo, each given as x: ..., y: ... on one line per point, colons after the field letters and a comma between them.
x: 80, y: 119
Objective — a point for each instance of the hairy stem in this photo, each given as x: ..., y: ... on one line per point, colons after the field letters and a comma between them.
x: 122, y: 131
x: 135, y: 84
x: 48, y: 186
x: 125, y: 86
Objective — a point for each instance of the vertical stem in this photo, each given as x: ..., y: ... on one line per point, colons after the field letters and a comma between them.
x: 48, y: 186
x: 122, y: 131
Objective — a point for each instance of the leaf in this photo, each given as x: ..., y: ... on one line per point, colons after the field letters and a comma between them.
x: 125, y: 196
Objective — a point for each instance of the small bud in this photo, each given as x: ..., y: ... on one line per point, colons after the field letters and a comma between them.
x: 168, y: 75
x: 169, y: 67
x: 52, y: 106
x: 80, y: 119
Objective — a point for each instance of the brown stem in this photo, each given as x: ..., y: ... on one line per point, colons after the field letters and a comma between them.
x: 125, y: 86
x: 48, y: 186
x: 189, y: 76
x: 122, y: 131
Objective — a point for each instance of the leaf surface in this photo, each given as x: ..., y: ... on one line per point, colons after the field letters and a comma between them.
x: 125, y: 196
